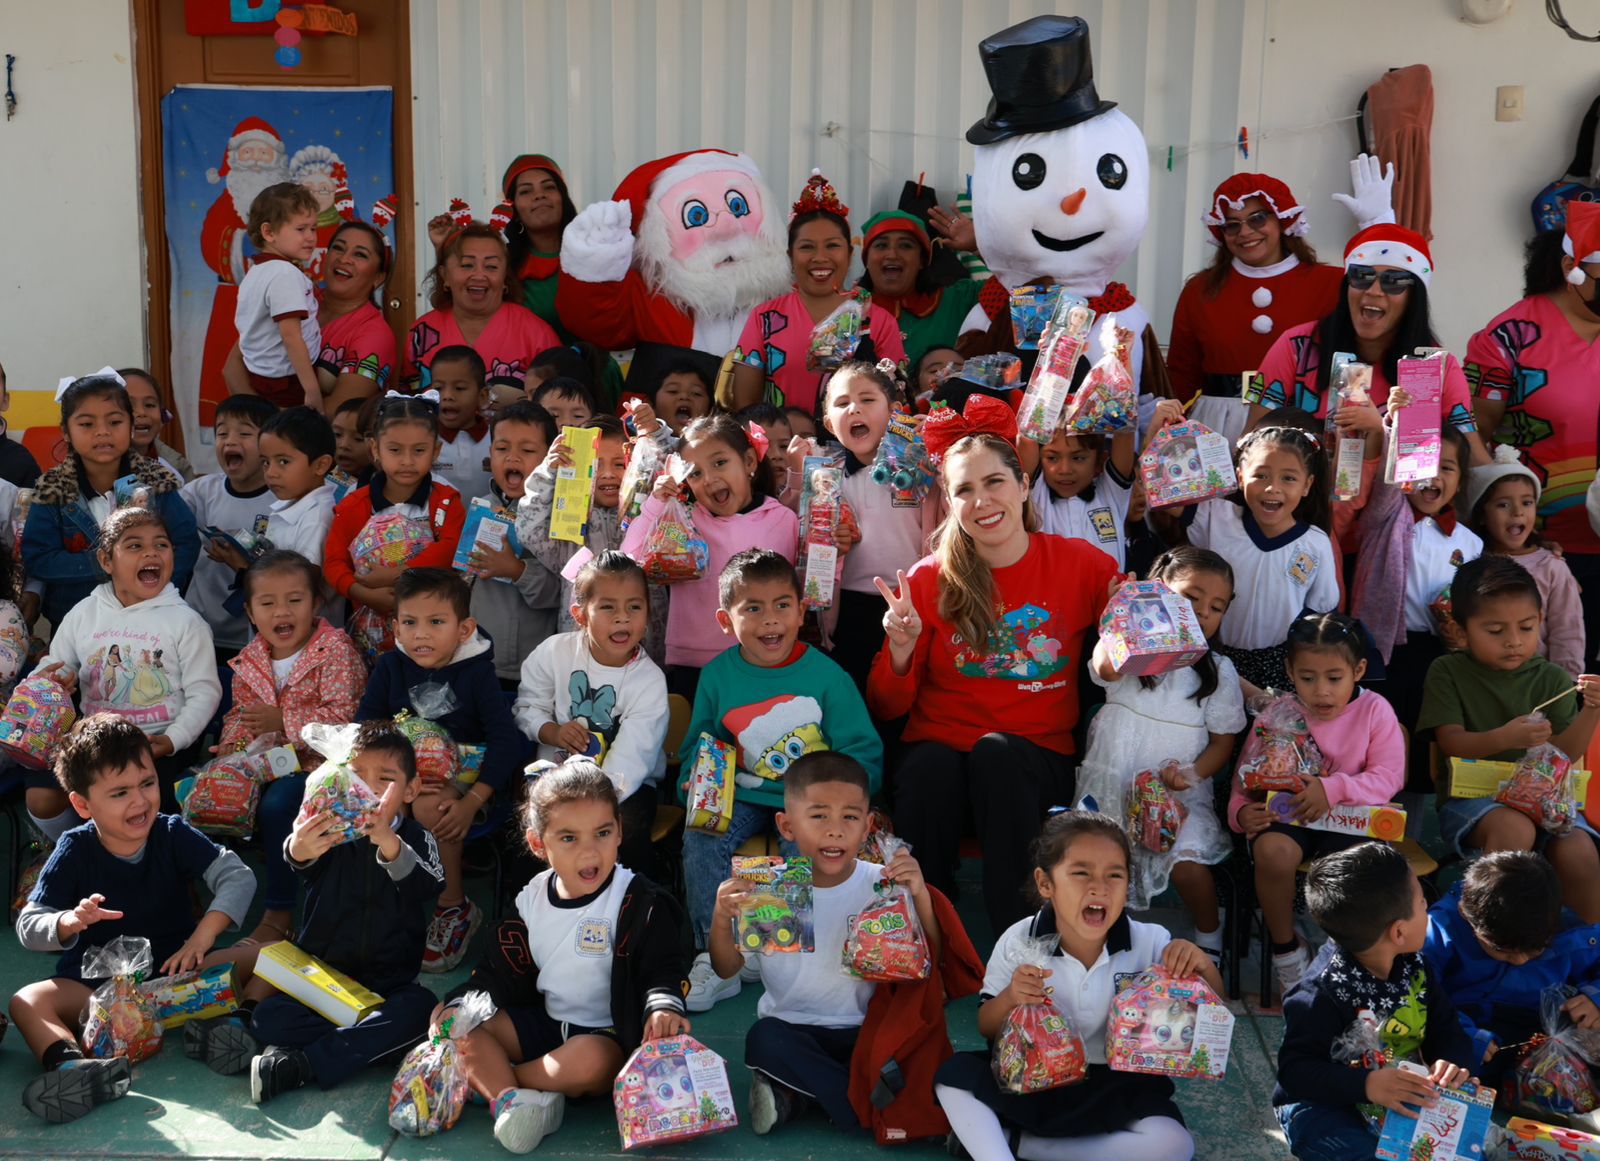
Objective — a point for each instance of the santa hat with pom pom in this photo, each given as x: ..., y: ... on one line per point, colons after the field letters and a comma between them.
x: 665, y: 172
x: 1582, y: 239
x: 1506, y: 464
x: 1390, y: 245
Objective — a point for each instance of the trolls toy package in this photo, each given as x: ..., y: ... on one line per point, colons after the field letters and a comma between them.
x: 1148, y: 629
x: 36, y: 718
x: 902, y: 461
x: 1280, y: 753
x: 1037, y: 1047
x: 122, y: 1017
x: 1542, y: 788
x: 674, y: 551
x: 1170, y: 1027
x: 430, y: 1088
x: 776, y: 917
x: 1065, y: 339
x: 671, y: 1090
x: 711, y: 786
x: 193, y: 995
x: 1185, y: 463
x: 884, y: 941
x: 569, y: 507
x: 820, y: 504
x: 1106, y: 402
x: 1415, y: 437
x: 1555, y: 1076
x: 1155, y: 814
x: 1452, y: 1130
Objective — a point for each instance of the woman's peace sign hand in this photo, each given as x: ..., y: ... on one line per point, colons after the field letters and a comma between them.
x: 902, y: 625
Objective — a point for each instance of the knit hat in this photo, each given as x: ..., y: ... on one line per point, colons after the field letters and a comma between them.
x: 819, y: 194
x: 1389, y: 245
x: 891, y: 220
x: 522, y: 163
x: 1582, y: 237
x: 669, y: 171
x: 1240, y: 188
x: 1507, y: 463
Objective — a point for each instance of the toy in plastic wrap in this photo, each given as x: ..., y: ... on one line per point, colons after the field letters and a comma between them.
x: 671, y: 1090
x: 387, y: 540
x: 880, y: 831
x: 1452, y: 1129
x: 884, y: 941
x: 1031, y: 310
x: 193, y: 995
x: 1280, y: 753
x: 1148, y: 629
x: 711, y: 786
x: 674, y: 551
x: 122, y: 1018
x: 1065, y: 339
x: 775, y: 918
x: 430, y: 1089
x: 1106, y: 402
x: 1555, y: 1077
x: 820, y: 513
x: 999, y: 372
x: 902, y: 461
x: 1351, y: 387
x: 834, y: 340
x: 645, y: 461
x: 1542, y: 789
x: 1037, y: 1047
x: 1155, y: 815
x: 334, y: 787
x: 223, y: 795
x: 36, y: 718
x: 1169, y: 1026
x: 130, y: 492
x: 438, y: 756
x: 1185, y: 463
x: 1416, y: 430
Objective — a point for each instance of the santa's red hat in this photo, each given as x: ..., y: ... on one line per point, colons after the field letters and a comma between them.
x: 1240, y: 188
x: 1389, y: 245
x: 250, y: 129
x: 1582, y: 239
x: 666, y: 172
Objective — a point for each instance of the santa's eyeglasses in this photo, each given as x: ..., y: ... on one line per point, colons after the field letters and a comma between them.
x: 1391, y: 282
x: 1256, y: 221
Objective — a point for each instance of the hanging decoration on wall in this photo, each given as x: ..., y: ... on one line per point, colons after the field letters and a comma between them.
x: 293, y: 19
x: 11, y: 92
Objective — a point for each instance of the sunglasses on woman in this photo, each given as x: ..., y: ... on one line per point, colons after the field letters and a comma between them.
x: 1256, y: 221
x: 1391, y: 282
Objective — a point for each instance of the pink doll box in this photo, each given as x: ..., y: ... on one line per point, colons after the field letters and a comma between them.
x: 1169, y: 1027
x: 1148, y: 629
x: 670, y: 1090
x: 1185, y: 463
x: 36, y: 718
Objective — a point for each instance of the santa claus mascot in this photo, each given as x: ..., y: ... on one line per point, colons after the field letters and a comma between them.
x: 676, y: 261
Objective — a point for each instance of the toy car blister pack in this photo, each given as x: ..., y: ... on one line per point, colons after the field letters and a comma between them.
x: 775, y: 918
x: 1169, y: 1026
x: 671, y: 1090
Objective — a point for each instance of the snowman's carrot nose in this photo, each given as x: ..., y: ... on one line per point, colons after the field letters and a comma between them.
x: 1070, y: 203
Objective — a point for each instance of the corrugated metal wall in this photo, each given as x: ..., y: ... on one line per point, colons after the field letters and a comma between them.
x: 873, y: 92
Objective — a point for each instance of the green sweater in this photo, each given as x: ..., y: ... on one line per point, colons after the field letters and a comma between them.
x: 775, y: 716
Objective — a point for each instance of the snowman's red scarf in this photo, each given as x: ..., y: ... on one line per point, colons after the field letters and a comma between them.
x: 995, y: 298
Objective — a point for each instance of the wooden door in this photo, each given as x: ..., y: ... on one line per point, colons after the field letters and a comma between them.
x: 167, y: 55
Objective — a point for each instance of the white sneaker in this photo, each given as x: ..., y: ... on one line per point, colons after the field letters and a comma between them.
x: 706, y: 988
x: 1291, y: 966
x: 527, y: 1117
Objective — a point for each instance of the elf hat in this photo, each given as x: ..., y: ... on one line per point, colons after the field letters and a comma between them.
x: 891, y: 220
x: 666, y: 172
x: 1582, y: 238
x: 1389, y: 245
x: 1240, y: 188
x: 527, y: 161
x: 1506, y: 464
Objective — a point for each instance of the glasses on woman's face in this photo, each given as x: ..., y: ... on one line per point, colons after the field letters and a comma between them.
x: 1391, y: 282
x: 1256, y: 221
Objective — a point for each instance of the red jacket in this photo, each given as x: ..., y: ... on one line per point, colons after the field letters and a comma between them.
x: 446, y: 515
x: 905, y: 1028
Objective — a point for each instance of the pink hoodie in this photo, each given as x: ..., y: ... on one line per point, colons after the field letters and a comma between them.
x: 1365, y: 752
x: 693, y: 635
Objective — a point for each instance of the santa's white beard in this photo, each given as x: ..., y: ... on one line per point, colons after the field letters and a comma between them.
x: 721, y: 279
x: 245, y: 182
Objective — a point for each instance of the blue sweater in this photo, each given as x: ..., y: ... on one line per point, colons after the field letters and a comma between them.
x: 1494, y: 998
x: 478, y: 713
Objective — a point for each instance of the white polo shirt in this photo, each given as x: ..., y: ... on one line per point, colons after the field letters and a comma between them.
x: 1436, y: 553
x: 1275, y: 578
x: 813, y: 989
x: 274, y: 289
x: 1095, y: 515
x: 572, y: 942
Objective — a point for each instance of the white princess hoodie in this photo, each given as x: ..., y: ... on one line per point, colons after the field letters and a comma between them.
x: 152, y: 662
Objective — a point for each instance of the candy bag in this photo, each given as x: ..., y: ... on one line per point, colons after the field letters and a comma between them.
x: 884, y: 941
x: 1106, y: 402
x: 674, y: 551
x: 902, y: 460
x: 430, y: 1089
x: 1168, y: 1026
x: 880, y: 831
x: 1037, y: 1047
x: 334, y: 786
x: 645, y: 461
x: 834, y: 340
x: 670, y: 1090
x: 122, y: 1017
x: 1554, y: 1076
x: 1280, y: 753
x: 387, y: 540
x: 776, y: 917
x: 226, y: 790
x: 1154, y: 813
x: 1360, y: 1046
x: 1542, y: 789
x: 438, y: 756
x: 1065, y: 339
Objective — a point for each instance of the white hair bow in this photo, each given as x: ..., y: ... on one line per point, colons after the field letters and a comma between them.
x: 103, y: 373
x: 429, y: 395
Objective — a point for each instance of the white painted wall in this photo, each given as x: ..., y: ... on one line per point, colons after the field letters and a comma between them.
x: 72, y: 274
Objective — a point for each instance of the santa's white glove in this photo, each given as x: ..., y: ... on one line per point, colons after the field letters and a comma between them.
x: 597, y: 245
x: 1373, y: 187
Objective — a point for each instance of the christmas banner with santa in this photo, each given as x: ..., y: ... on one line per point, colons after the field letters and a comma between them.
x: 222, y: 146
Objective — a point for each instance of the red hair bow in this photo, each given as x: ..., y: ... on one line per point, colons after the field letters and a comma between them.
x: 983, y: 415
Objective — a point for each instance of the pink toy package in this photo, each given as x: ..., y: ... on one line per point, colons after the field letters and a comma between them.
x: 1169, y: 1027
x: 36, y: 718
x: 1185, y: 463
x: 1415, y: 438
x: 671, y: 1090
x: 1148, y: 629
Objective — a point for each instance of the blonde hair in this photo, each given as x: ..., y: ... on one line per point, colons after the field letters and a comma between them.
x: 966, y: 584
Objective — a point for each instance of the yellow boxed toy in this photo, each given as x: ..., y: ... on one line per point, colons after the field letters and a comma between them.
x: 327, y: 992
x: 1481, y: 778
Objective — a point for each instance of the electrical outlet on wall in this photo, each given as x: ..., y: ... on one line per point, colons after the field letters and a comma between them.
x: 1508, y: 103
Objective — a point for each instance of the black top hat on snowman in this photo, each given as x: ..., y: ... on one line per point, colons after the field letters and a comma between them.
x: 1042, y: 77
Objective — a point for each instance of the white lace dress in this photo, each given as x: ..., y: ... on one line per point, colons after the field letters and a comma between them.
x: 1138, y: 729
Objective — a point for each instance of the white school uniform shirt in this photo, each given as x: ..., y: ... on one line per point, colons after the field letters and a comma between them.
x: 216, y: 505
x: 1435, y: 556
x: 891, y: 534
x: 812, y: 989
x: 463, y: 462
x: 1097, y: 520
x: 1274, y: 578
x: 302, y: 525
x: 1082, y: 994
x: 572, y: 942
x: 273, y: 289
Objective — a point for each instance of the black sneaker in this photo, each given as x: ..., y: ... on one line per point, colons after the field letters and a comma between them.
x: 277, y: 1071
x: 223, y: 1042
x: 68, y: 1092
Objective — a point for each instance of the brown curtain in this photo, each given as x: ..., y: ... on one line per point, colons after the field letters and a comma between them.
x: 1400, y: 113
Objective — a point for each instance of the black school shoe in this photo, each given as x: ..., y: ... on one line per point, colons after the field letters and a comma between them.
x: 223, y: 1042
x: 277, y: 1071
x: 68, y: 1092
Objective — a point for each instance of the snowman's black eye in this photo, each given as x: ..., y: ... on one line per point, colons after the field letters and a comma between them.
x: 1028, y: 171
x: 1112, y: 171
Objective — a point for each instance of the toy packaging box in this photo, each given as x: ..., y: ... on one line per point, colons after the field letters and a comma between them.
x: 901, y: 464
x: 711, y: 786
x: 1415, y: 441
x: 671, y: 1090
x: 1185, y: 463
x: 1525, y: 1140
x: 1453, y: 1130
x: 1386, y: 822
x: 342, y: 482
x: 36, y: 718
x: 1352, y: 385
x: 776, y: 917
x: 489, y: 528
x: 569, y: 512
x: 819, y: 519
x: 1170, y: 1027
x: 1148, y: 629
x: 193, y: 995
x: 1065, y: 339
x: 331, y: 994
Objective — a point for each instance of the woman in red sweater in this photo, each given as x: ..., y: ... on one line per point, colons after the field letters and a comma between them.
x: 990, y: 726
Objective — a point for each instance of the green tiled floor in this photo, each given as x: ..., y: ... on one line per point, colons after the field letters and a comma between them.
x: 179, y: 1108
